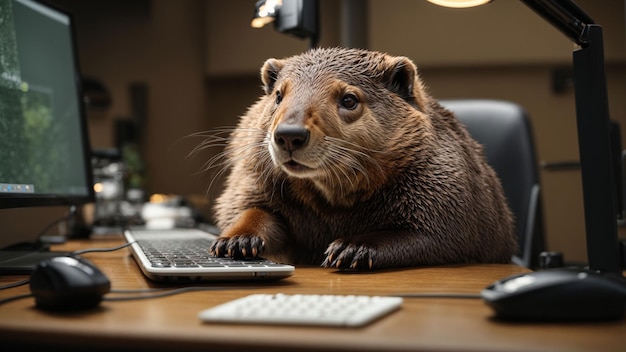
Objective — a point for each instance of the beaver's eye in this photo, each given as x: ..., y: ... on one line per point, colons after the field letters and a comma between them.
x: 279, y: 97
x: 349, y: 101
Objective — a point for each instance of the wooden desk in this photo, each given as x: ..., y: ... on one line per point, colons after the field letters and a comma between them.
x: 171, y: 323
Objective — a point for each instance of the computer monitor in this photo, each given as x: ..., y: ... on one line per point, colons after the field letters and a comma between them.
x: 45, y: 156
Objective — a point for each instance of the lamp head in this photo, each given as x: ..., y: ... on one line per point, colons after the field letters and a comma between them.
x: 459, y: 3
x: 295, y: 17
x: 265, y: 11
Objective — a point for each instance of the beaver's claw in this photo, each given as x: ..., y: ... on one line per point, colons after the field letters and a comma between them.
x: 349, y: 256
x: 240, y: 246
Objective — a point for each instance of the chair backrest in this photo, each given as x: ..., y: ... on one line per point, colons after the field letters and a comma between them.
x: 504, y: 130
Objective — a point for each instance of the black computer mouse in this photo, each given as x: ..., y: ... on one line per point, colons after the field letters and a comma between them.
x: 68, y: 284
x: 558, y: 294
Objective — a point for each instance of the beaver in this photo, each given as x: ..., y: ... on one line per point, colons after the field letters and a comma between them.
x: 347, y: 161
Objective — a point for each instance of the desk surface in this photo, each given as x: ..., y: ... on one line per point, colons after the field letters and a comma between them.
x: 171, y: 323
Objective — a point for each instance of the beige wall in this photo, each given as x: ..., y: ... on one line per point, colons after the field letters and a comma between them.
x: 200, y: 61
x: 501, y: 32
x: 162, y: 46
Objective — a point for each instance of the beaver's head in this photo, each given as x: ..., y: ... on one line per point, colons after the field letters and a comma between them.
x: 335, y: 115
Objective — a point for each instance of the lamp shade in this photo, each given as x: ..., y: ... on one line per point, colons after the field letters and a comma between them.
x: 459, y: 3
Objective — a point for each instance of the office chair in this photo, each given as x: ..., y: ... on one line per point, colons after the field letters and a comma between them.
x: 504, y: 130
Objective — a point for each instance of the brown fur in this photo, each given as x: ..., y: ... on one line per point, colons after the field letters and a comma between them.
x: 392, y: 179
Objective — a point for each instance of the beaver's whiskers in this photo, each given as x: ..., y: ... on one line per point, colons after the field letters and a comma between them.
x: 230, y: 155
x: 349, y: 160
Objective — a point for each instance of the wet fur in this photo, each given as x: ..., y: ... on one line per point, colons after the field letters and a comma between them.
x: 397, y: 181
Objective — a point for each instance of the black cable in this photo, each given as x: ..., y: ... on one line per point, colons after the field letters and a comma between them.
x: 438, y: 295
x: 66, y: 217
x: 171, y: 292
x: 140, y: 290
x: 15, y: 284
x: 15, y: 298
x: 191, y: 289
x: 91, y: 250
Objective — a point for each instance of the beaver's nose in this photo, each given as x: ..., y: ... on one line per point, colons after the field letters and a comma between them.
x: 291, y: 136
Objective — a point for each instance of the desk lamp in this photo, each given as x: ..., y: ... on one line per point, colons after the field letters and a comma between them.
x: 548, y: 293
x: 295, y: 17
x: 600, y: 185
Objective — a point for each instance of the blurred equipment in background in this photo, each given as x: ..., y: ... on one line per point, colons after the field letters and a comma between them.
x: 296, y: 17
x: 116, y: 206
x: 95, y: 94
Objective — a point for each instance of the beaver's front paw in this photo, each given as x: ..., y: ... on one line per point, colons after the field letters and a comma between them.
x: 240, y: 246
x: 350, y: 256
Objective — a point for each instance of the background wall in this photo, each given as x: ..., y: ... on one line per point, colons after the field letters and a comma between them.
x: 199, y: 60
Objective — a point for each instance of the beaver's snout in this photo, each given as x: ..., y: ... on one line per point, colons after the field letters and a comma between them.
x: 291, y: 137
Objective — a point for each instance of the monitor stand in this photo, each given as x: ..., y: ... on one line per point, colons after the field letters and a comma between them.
x: 22, y: 258
x: 24, y: 262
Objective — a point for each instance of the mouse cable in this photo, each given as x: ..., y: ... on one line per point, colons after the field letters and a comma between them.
x: 15, y: 284
x: 15, y: 298
x: 438, y: 295
x: 90, y: 250
x: 66, y: 217
x: 191, y: 289
x: 170, y: 292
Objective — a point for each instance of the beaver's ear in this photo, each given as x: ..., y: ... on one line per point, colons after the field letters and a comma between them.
x: 269, y: 74
x: 401, y: 78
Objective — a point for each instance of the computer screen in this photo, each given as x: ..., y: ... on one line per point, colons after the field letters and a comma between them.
x: 44, y: 148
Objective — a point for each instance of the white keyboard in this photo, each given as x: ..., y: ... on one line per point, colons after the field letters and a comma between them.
x: 303, y: 309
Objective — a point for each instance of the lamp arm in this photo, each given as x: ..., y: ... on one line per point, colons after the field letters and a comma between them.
x: 566, y: 16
